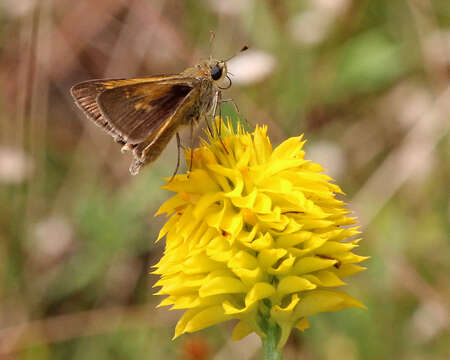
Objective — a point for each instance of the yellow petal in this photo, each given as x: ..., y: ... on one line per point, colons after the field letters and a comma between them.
x: 249, y: 276
x: 219, y: 249
x: 285, y: 318
x: 247, y: 201
x: 202, y: 319
x: 303, y: 324
x: 198, y: 182
x: 324, y: 278
x: 167, y: 226
x: 310, y: 264
x: 263, y: 148
x: 171, y: 205
x: 284, y: 267
x: 262, y: 204
x: 348, y: 269
x: 289, y: 240
x: 334, y: 247
x: 269, y: 257
x: 241, y: 330
x: 205, y: 202
x: 293, y: 284
x: 290, y: 148
x: 316, y: 301
x: 257, y: 292
x: 232, y: 174
x: 261, y: 242
x: 350, y: 258
x: 198, y: 264
x: 222, y: 285
x: 243, y: 259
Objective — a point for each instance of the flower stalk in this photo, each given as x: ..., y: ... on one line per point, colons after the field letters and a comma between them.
x: 270, y: 341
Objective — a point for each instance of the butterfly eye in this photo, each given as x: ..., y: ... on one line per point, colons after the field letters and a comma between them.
x: 216, y: 72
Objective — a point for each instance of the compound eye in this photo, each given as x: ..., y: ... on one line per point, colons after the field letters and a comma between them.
x: 216, y: 72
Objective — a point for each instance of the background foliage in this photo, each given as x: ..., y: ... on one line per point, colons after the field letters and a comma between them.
x: 366, y: 81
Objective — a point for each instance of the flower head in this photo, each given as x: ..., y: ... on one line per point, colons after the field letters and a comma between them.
x: 254, y: 234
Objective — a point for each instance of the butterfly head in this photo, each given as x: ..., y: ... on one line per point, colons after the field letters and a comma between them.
x: 217, y: 72
x: 213, y: 70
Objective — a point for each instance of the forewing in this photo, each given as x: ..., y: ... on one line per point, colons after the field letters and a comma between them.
x: 86, y: 93
x: 138, y: 110
x: 149, y: 150
x: 143, y: 114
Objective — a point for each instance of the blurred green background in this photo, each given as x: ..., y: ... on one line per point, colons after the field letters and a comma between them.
x: 366, y: 81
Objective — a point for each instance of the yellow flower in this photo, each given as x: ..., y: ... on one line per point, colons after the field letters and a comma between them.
x: 254, y: 234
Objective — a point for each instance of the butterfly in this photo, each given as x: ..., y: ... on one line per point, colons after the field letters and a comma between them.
x: 144, y: 114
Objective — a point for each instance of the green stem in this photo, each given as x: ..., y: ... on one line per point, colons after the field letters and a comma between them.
x: 270, y: 344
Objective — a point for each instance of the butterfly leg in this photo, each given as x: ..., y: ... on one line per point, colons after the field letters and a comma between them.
x: 220, y: 114
x: 217, y: 102
x: 207, y: 125
x: 214, y: 110
x: 192, y: 147
x: 222, y: 101
x: 178, y: 159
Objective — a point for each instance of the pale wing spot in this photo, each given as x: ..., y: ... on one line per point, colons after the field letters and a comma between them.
x: 143, y: 106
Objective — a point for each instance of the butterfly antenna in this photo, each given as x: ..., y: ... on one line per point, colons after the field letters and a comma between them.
x: 244, y: 48
x: 211, y: 42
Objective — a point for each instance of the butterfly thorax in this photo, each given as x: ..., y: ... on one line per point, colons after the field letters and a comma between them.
x: 211, y: 75
x: 210, y: 70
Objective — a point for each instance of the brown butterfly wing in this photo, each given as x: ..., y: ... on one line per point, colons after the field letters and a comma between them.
x: 85, y: 96
x: 142, y: 113
x: 149, y: 150
x: 137, y: 111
